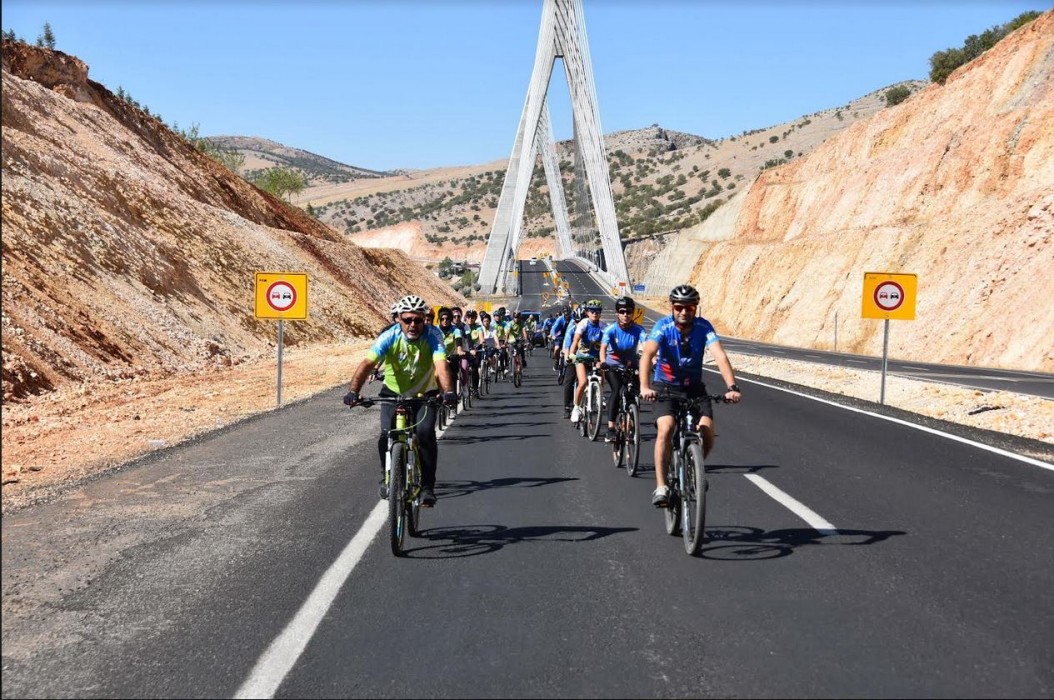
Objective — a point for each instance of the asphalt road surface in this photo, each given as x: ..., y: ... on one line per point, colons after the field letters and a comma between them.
x: 848, y: 555
x: 534, y: 285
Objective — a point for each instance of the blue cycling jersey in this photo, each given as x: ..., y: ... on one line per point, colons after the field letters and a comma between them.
x: 589, y: 340
x: 679, y: 361
x: 569, y: 336
x: 559, y: 326
x: 622, y: 344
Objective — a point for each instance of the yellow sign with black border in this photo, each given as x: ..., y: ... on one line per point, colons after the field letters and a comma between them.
x: 281, y: 296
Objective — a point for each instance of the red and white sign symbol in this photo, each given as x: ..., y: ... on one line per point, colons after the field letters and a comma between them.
x: 281, y: 296
x: 889, y: 296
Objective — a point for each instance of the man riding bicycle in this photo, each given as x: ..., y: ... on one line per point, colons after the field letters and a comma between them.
x: 619, y: 347
x: 453, y: 341
x: 677, y: 344
x: 415, y: 358
x: 585, y: 348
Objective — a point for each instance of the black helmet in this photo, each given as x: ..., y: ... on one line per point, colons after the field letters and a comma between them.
x: 500, y: 311
x: 625, y: 303
x: 685, y: 294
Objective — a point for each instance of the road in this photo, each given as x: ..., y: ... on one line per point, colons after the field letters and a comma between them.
x: 583, y: 287
x: 848, y: 556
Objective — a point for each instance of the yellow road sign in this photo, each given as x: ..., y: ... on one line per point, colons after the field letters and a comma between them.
x: 889, y: 295
x: 281, y: 295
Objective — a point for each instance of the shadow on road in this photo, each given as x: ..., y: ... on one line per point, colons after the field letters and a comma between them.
x: 741, y: 543
x: 455, y: 489
x: 473, y: 540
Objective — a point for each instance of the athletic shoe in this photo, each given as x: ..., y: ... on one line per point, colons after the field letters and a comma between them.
x: 661, y: 497
x: 576, y: 414
x: 611, y: 435
x: 567, y: 411
x: 428, y: 497
x: 382, y: 491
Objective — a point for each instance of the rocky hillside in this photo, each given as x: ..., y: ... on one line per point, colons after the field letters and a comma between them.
x: 956, y: 185
x: 662, y: 180
x: 126, y: 252
x: 262, y: 154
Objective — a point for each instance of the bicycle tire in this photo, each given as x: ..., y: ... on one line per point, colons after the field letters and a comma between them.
x: 397, y: 497
x: 631, y: 439
x: 517, y: 379
x: 413, y: 490
x: 693, y: 486
x: 593, y: 404
x: 618, y: 446
x: 672, y: 512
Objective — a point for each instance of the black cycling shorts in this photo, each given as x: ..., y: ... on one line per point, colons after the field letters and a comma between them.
x: 669, y: 407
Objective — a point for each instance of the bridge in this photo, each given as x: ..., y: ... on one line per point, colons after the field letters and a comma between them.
x: 592, y: 238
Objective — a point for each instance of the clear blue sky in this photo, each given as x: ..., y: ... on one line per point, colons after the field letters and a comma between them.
x: 422, y: 84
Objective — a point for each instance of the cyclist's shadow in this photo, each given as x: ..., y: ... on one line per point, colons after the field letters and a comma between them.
x: 744, y: 543
x: 473, y: 540
x: 456, y: 488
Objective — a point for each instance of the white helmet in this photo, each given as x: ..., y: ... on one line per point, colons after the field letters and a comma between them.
x: 412, y: 303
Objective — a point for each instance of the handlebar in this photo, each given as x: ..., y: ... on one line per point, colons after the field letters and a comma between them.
x: 366, y: 403
x: 668, y: 395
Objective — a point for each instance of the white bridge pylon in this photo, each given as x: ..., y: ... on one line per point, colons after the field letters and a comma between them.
x: 562, y: 35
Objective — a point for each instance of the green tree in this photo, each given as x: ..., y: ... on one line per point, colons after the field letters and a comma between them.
x: 943, y: 63
x: 280, y: 182
x: 723, y: 172
x: 47, y: 39
x: 897, y: 94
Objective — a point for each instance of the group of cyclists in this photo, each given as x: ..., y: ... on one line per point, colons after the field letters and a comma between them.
x: 426, y: 360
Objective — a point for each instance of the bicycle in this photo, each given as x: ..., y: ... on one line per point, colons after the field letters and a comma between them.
x: 517, y: 364
x: 685, y: 512
x: 402, y: 471
x: 561, y: 369
x: 625, y: 450
x: 465, y: 382
x: 593, y: 405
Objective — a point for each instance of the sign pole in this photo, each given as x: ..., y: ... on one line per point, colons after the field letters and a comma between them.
x: 281, y: 328
x: 885, y: 361
x: 836, y: 331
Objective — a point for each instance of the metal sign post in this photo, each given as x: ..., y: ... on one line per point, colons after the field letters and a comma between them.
x: 281, y: 295
x: 887, y: 296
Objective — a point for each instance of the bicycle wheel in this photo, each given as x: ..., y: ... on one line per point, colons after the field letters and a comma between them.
x: 693, y: 487
x: 593, y: 409
x: 397, y: 497
x: 631, y: 439
x: 672, y: 512
x: 562, y: 373
x: 413, y: 490
x: 517, y: 373
x: 618, y: 447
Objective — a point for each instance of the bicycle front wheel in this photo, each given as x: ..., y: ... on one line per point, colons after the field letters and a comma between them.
x: 593, y: 409
x: 631, y: 439
x: 397, y: 497
x: 693, y: 488
x: 413, y: 492
x: 672, y: 512
x: 618, y: 447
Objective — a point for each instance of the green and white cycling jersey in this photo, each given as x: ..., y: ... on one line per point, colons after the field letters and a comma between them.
x: 451, y: 339
x: 410, y: 364
x: 515, y: 331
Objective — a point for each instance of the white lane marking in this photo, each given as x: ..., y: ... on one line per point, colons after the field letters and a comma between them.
x: 271, y: 669
x: 923, y: 428
x: 795, y: 506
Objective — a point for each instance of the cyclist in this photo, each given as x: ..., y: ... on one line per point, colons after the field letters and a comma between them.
x: 453, y: 341
x: 474, y: 341
x: 491, y: 341
x: 517, y: 331
x: 501, y: 333
x: 619, y: 347
x: 585, y: 348
x: 557, y: 331
x: 677, y: 343
x: 415, y: 358
x: 377, y: 374
x: 564, y: 347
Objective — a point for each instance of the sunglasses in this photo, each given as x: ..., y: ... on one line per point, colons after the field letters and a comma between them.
x: 592, y: 311
x: 625, y: 311
x: 412, y: 320
x: 445, y: 318
x: 683, y: 307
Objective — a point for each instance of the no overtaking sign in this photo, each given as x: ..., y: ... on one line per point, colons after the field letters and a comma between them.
x: 281, y: 295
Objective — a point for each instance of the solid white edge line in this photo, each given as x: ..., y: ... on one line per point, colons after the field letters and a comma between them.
x: 271, y: 669
x: 795, y: 506
x: 923, y: 428
x: 283, y: 653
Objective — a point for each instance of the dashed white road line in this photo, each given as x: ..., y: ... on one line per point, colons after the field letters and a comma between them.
x: 795, y: 506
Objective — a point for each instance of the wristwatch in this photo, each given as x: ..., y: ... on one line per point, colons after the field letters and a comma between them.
x: 735, y: 387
